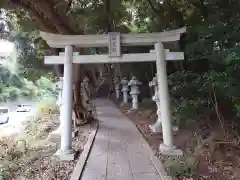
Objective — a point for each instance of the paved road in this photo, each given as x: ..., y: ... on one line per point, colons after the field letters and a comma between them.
x: 16, y: 119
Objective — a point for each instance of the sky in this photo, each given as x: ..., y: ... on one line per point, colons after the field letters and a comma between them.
x: 6, y: 47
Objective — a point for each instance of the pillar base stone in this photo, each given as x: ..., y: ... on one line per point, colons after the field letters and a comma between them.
x: 170, y: 150
x: 65, y: 155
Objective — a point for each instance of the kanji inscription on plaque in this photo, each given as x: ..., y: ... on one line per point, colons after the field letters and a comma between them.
x: 114, y: 47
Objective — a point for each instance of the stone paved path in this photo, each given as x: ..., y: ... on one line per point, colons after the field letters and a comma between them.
x: 118, y: 152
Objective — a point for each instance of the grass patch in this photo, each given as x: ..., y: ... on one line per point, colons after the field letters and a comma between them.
x: 179, y: 167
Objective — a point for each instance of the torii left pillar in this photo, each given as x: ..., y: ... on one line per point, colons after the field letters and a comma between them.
x: 66, y: 152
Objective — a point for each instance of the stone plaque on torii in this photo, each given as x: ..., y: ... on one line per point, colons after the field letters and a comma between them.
x: 114, y: 46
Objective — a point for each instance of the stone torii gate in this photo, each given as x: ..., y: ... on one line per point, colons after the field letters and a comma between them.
x: 114, y: 41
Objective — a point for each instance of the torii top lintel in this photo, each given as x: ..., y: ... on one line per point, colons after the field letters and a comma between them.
x: 140, y: 39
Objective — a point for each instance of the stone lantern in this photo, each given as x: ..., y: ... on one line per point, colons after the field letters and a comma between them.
x: 116, y: 82
x: 157, y: 126
x: 134, y: 83
x: 125, y: 89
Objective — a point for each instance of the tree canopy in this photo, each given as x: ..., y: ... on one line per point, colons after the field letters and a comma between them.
x: 212, y: 30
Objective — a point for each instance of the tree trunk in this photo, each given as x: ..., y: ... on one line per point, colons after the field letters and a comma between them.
x: 51, y: 17
x: 80, y: 114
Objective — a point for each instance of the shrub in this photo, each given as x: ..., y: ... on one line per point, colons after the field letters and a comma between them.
x: 197, y: 94
x: 13, y: 84
x: 185, y: 166
x: 48, y: 107
x: 18, y: 86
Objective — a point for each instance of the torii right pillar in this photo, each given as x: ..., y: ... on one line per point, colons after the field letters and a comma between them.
x: 167, y: 147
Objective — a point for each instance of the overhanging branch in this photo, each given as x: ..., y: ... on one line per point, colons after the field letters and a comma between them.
x: 201, y: 7
x: 43, y: 24
x: 46, y: 7
x: 155, y: 10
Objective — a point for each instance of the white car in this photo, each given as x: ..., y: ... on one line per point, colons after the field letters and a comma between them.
x: 4, y: 116
x: 23, y: 108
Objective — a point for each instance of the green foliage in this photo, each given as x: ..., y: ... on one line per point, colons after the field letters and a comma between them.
x: 22, y: 75
x: 237, y: 106
x: 185, y: 166
x: 48, y: 107
x: 233, y: 57
x: 10, y: 85
x: 99, y: 17
x: 46, y: 88
x: 13, y: 85
x: 44, y: 82
x: 197, y: 94
x: 29, y: 58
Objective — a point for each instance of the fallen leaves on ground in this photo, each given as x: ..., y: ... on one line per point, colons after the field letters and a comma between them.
x: 32, y: 155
